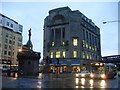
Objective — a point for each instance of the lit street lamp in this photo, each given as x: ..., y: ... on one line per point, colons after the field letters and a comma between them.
x: 19, y: 50
x: 110, y: 22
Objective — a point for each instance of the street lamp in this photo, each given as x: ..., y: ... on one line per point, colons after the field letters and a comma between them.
x: 20, y: 50
x: 110, y: 22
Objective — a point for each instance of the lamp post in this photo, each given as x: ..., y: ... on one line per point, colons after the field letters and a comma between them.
x: 105, y: 22
x: 110, y: 21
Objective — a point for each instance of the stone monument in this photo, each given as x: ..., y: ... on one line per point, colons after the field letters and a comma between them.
x: 28, y: 60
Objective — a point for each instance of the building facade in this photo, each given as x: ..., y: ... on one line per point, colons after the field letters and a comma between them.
x: 71, y: 37
x: 10, y: 40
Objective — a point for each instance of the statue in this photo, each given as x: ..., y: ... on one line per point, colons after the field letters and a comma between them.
x: 29, y: 34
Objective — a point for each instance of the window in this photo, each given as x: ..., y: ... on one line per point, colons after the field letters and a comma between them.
x: 89, y: 47
x: 5, y: 52
x: 7, y: 23
x: 12, y: 25
x: 83, y: 43
x: 87, y: 56
x: 75, y: 41
x: 6, y: 46
x: 58, y: 54
x: 83, y: 54
x: 10, y: 42
x: 6, y: 40
x: 9, y: 53
x: 20, y: 28
x: 53, y: 43
x: 74, y: 54
x: 6, y: 34
x: 63, y: 43
x: 90, y: 56
x: 19, y: 39
x: 51, y: 54
x: 10, y: 47
x: 13, y: 42
x: 86, y: 45
x: 63, y: 54
x: 14, y: 37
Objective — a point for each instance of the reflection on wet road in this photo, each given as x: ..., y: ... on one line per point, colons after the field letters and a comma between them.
x: 63, y: 81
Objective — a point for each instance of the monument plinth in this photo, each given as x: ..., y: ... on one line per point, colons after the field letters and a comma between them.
x: 28, y: 60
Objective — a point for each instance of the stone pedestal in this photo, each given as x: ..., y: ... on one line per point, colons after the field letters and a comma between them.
x: 28, y: 63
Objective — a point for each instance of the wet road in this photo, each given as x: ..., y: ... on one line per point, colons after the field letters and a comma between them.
x: 61, y: 81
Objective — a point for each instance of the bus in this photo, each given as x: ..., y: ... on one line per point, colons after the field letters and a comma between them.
x: 103, y: 70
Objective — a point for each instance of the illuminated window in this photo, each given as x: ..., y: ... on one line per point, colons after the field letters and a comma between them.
x: 51, y: 54
x: 87, y: 56
x: 53, y: 43
x: 63, y: 53
x: 83, y: 55
x: 63, y: 43
x: 58, y: 54
x: 74, y: 54
x: 89, y: 47
x: 83, y: 43
x: 86, y: 45
x: 75, y: 41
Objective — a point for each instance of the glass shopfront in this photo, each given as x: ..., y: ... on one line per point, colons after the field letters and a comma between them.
x: 63, y: 67
x: 75, y: 65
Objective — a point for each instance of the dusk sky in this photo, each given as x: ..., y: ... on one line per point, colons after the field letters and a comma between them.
x: 32, y: 15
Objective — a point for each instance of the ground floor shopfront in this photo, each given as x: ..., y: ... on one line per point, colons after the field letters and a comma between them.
x: 65, y: 66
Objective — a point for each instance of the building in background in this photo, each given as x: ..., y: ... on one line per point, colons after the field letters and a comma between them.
x: 10, y: 40
x: 72, y: 38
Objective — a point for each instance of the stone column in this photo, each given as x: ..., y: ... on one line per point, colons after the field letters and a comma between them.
x: 54, y: 35
x: 61, y: 35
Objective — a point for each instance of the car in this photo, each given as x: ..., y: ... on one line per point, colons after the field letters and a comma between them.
x: 83, y: 74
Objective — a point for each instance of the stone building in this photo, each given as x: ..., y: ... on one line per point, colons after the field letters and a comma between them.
x: 10, y: 40
x: 71, y: 37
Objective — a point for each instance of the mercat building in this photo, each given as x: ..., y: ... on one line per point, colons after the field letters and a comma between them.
x: 72, y: 38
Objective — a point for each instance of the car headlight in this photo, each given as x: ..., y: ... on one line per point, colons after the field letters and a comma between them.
x: 103, y: 76
x: 83, y: 75
x: 76, y: 75
x: 91, y: 75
